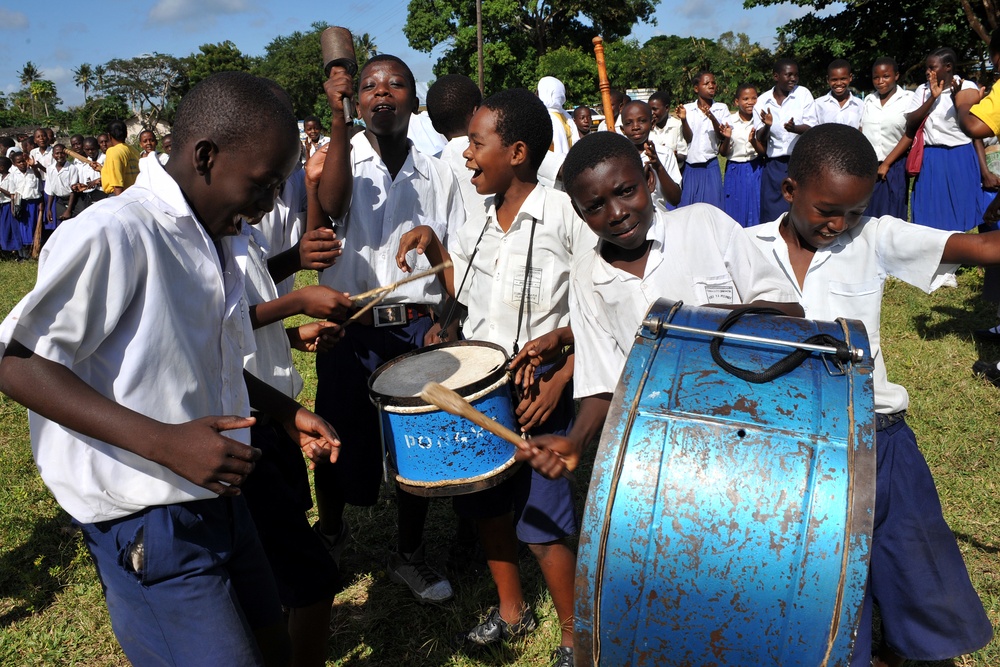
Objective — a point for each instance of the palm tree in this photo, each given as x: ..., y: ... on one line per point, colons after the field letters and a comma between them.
x: 83, y: 77
x: 28, y: 75
x: 364, y: 47
x: 43, y: 90
x: 100, y: 71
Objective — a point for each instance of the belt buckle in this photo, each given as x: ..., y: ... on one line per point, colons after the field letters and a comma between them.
x: 389, y: 316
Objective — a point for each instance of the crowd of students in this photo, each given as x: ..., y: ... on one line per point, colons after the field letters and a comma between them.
x: 560, y: 238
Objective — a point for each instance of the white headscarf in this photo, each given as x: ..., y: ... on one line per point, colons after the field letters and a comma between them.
x: 552, y: 93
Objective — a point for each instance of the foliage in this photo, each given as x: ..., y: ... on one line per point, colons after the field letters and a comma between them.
x: 44, y: 91
x: 151, y: 84
x: 83, y: 77
x: 907, y: 30
x: 213, y: 58
x: 515, y: 34
x: 296, y: 62
x: 95, y: 114
x: 576, y: 69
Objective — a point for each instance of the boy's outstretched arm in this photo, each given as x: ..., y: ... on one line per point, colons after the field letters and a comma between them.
x: 335, y: 185
x: 318, y: 301
x: 553, y: 454
x: 980, y: 249
x: 195, y: 450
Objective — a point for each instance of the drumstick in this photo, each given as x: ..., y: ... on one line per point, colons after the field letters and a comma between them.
x: 82, y: 158
x: 604, y: 84
x: 361, y: 311
x: 399, y: 283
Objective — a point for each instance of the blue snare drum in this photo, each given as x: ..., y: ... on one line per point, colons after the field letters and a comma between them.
x: 435, y: 453
x: 728, y: 521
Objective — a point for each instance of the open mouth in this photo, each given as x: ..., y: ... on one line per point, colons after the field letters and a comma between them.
x: 379, y: 108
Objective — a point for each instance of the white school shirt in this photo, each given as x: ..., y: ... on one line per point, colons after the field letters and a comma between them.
x: 132, y: 298
x: 673, y: 170
x: 4, y: 185
x: 85, y: 174
x: 28, y: 185
x: 475, y: 203
x: 603, y: 125
x: 283, y: 225
x: 669, y: 137
x: 884, y: 124
x: 699, y: 255
x: 740, y: 148
x: 828, y: 110
x: 941, y: 127
x: 425, y: 192
x: 47, y: 159
x: 310, y: 149
x: 846, y: 279
x: 494, y: 286
x: 101, y: 158
x: 271, y: 362
x: 704, y: 144
x: 59, y: 182
x: 799, y: 105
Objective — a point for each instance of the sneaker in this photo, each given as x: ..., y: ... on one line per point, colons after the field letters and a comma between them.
x: 494, y: 629
x: 425, y: 583
x: 949, y: 280
x: 991, y: 335
x: 988, y: 370
x: 562, y: 657
x: 335, y: 544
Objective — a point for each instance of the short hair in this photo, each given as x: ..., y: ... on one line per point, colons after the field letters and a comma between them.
x: 521, y: 116
x: 450, y: 100
x: 312, y: 119
x: 116, y: 130
x: 232, y: 109
x: 90, y: 140
x: 147, y: 132
x: 614, y: 93
x: 746, y: 85
x: 636, y: 103
x: 102, y: 134
x: 661, y: 95
x: 832, y: 148
x: 782, y: 63
x: 281, y: 93
x: 886, y: 60
x: 592, y: 150
x: 76, y: 136
x: 385, y: 57
x: 947, y: 56
x: 583, y: 106
x: 838, y: 64
x: 699, y: 74
x: 7, y: 142
x: 5, y: 163
x: 59, y: 145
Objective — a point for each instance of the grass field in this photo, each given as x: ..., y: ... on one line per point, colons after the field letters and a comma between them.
x: 52, y: 611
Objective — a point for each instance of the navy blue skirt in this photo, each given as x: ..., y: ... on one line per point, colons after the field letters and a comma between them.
x: 742, y: 191
x: 891, y: 195
x: 702, y: 184
x: 8, y: 240
x: 24, y: 224
x: 772, y: 203
x: 948, y: 193
x: 929, y: 609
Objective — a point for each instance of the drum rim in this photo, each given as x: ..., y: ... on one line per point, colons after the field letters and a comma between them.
x: 465, y: 391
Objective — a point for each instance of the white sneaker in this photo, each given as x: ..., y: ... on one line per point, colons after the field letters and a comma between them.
x: 425, y: 583
x: 949, y: 280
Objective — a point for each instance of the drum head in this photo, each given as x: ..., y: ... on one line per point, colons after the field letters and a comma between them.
x: 463, y: 366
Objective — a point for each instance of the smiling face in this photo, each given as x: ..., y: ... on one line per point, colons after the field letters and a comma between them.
x: 745, y: 101
x: 41, y: 139
x: 147, y: 140
x: 884, y: 78
x: 705, y: 87
x: 59, y: 154
x: 839, y: 78
x: 486, y: 156
x: 167, y: 144
x: 786, y: 78
x: 637, y: 121
x: 826, y: 206
x: 19, y: 162
x: 659, y: 111
x: 613, y: 198
x: 312, y: 130
x: 385, y: 98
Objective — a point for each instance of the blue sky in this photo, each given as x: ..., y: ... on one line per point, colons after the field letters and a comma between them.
x: 59, y: 35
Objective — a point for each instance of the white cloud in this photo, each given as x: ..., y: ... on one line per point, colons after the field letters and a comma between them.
x: 12, y: 20
x: 180, y: 11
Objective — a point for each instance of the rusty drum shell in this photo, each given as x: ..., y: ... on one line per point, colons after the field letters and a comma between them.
x: 728, y: 523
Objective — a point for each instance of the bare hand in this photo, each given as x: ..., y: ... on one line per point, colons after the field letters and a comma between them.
x: 991, y: 182
x: 790, y: 125
x: 883, y: 169
x: 199, y: 453
x: 766, y: 117
x: 992, y: 213
x: 534, y: 353
x: 727, y: 131
x: 417, y: 239
x: 550, y: 455
x: 681, y: 112
x: 319, y: 336
x: 314, y: 166
x: 541, y: 398
x: 319, y: 249
x: 323, y: 303
x: 650, y: 150
x: 316, y: 438
x: 935, y: 85
x: 338, y: 87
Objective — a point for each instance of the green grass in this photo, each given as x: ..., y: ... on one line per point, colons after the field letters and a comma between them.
x: 52, y: 611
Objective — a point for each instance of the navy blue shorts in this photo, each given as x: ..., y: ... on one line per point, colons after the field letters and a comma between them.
x: 277, y: 493
x: 543, y: 508
x: 342, y: 399
x: 204, y: 585
x: 929, y: 609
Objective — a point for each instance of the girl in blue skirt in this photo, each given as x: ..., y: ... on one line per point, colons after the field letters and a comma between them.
x: 883, y: 122
x: 948, y: 191
x: 702, y: 123
x: 743, y: 162
x: 6, y: 219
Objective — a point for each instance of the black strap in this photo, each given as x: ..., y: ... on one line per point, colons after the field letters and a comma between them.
x: 780, y: 367
x: 450, y: 317
x: 524, y: 287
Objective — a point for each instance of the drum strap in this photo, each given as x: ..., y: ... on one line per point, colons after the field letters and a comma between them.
x: 524, y: 287
x: 453, y: 308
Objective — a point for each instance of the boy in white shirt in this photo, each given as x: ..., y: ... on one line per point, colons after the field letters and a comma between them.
x: 128, y: 387
x: 839, y: 105
x: 59, y: 184
x: 837, y: 260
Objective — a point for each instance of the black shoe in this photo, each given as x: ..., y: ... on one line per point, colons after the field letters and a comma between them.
x: 987, y: 335
x: 988, y: 370
x: 494, y: 629
x: 562, y: 657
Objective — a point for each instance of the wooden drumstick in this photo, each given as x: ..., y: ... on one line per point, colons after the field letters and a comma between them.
x: 82, y: 158
x: 604, y: 84
x: 399, y: 283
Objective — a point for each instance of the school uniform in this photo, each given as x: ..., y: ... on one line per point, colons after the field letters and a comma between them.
x: 58, y: 187
x: 884, y: 125
x: 282, y: 227
x: 669, y: 137
x: 493, y: 291
x: 948, y: 191
x: 424, y: 192
x: 829, y: 110
x: 6, y: 221
x: 309, y: 149
x: 86, y: 174
x: 702, y: 174
x: 698, y: 255
x: 277, y: 491
x: 452, y: 155
x: 673, y: 171
x: 797, y: 106
x: 29, y: 187
x: 741, y: 188
x: 204, y: 583
x: 46, y: 160
x: 929, y: 608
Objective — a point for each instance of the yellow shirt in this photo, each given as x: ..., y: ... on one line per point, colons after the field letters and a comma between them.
x: 121, y: 166
x: 988, y: 110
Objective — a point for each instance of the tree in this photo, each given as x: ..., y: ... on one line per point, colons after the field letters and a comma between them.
x: 83, y: 77
x: 100, y: 72
x: 515, y: 34
x: 987, y: 10
x: 44, y: 91
x: 296, y: 62
x: 364, y: 48
x: 28, y: 75
x: 150, y: 83
x: 213, y: 58
x: 576, y: 69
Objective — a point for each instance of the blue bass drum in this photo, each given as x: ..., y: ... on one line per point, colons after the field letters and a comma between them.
x: 729, y: 521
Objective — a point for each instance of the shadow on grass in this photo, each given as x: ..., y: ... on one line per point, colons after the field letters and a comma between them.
x: 976, y: 544
x: 29, y: 573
